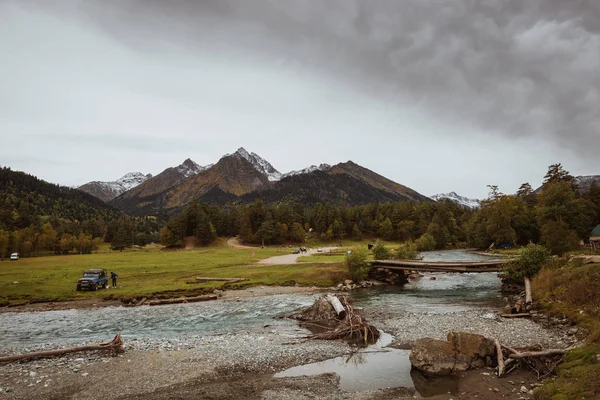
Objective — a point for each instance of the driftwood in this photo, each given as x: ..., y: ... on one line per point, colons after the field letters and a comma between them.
x: 501, y: 365
x: 115, y: 346
x: 518, y: 315
x: 542, y: 353
x: 528, y: 296
x: 337, y: 306
x: 181, y: 300
x: 515, y: 356
x: 354, y: 328
x: 200, y: 279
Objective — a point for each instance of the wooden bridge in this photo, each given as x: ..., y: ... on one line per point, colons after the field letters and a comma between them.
x: 441, y: 266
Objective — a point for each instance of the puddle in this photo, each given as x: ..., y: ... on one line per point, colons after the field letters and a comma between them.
x: 376, y: 369
x: 369, y: 370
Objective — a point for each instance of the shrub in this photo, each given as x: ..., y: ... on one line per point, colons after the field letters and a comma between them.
x: 530, y: 261
x: 557, y: 237
x: 426, y: 243
x: 357, y: 264
x: 407, y: 251
x: 380, y: 252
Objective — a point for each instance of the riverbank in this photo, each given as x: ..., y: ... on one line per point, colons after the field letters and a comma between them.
x: 569, y: 290
x: 243, y: 360
x: 80, y: 304
x: 216, y: 374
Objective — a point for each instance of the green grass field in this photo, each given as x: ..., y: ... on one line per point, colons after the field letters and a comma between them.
x: 154, y: 272
x: 337, y: 257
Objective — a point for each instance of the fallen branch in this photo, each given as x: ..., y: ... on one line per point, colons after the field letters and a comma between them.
x: 543, y: 353
x: 528, y: 358
x: 501, y: 365
x: 509, y: 349
x: 115, y: 346
x: 519, y: 315
x: 182, y: 300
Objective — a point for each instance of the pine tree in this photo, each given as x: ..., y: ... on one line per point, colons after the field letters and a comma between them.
x: 386, y: 230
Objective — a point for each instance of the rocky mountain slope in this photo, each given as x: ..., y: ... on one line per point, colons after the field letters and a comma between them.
x: 259, y: 163
x: 232, y: 176
x: 346, y: 182
x: 153, y: 187
x: 308, y: 170
x: 107, y: 191
x: 244, y: 176
x: 460, y: 200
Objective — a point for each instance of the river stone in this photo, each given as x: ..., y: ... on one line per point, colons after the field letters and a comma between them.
x: 433, y: 356
x: 462, y: 351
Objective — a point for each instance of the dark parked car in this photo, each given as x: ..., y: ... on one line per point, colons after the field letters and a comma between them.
x: 93, y: 279
x: 296, y: 251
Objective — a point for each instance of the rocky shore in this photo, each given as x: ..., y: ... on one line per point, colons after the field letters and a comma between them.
x: 241, y: 364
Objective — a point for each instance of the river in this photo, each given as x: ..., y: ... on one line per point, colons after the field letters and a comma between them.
x: 447, y: 293
x: 428, y: 306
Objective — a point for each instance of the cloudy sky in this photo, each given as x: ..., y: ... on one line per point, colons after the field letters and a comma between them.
x: 436, y: 95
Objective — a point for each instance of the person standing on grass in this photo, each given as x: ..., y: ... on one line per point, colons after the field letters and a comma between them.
x: 113, y: 276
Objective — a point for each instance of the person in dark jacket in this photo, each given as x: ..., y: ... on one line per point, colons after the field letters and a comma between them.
x: 113, y: 276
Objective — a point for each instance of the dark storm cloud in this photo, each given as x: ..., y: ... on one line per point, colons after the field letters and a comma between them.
x: 142, y: 85
x: 516, y: 68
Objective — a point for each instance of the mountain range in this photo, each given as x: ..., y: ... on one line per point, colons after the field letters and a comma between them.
x: 245, y: 176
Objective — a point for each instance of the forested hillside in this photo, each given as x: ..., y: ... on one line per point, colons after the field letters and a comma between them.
x: 442, y: 224
x: 560, y: 217
x: 40, y: 217
x: 26, y: 198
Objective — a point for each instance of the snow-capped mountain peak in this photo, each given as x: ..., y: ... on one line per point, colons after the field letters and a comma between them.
x: 454, y: 197
x: 129, y: 181
x: 321, y: 167
x: 189, y: 168
x: 109, y: 190
x: 259, y: 163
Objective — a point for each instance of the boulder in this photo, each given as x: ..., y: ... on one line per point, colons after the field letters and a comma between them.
x: 471, y: 350
x: 433, y: 356
x: 462, y: 351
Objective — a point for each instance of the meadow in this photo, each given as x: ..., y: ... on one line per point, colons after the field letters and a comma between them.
x: 155, y: 272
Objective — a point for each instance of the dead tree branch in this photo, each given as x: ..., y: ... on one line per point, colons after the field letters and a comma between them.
x: 115, y: 346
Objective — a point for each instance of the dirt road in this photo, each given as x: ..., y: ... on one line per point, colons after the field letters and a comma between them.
x: 291, y: 258
x: 234, y: 242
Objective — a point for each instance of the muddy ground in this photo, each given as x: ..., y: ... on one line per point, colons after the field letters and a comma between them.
x: 184, y: 375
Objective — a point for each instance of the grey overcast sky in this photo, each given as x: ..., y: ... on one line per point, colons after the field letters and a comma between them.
x: 436, y: 95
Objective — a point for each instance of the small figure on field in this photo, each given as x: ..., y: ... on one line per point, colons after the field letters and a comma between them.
x: 114, y: 276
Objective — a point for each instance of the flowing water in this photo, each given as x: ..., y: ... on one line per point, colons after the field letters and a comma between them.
x: 380, y: 368
x: 383, y: 368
